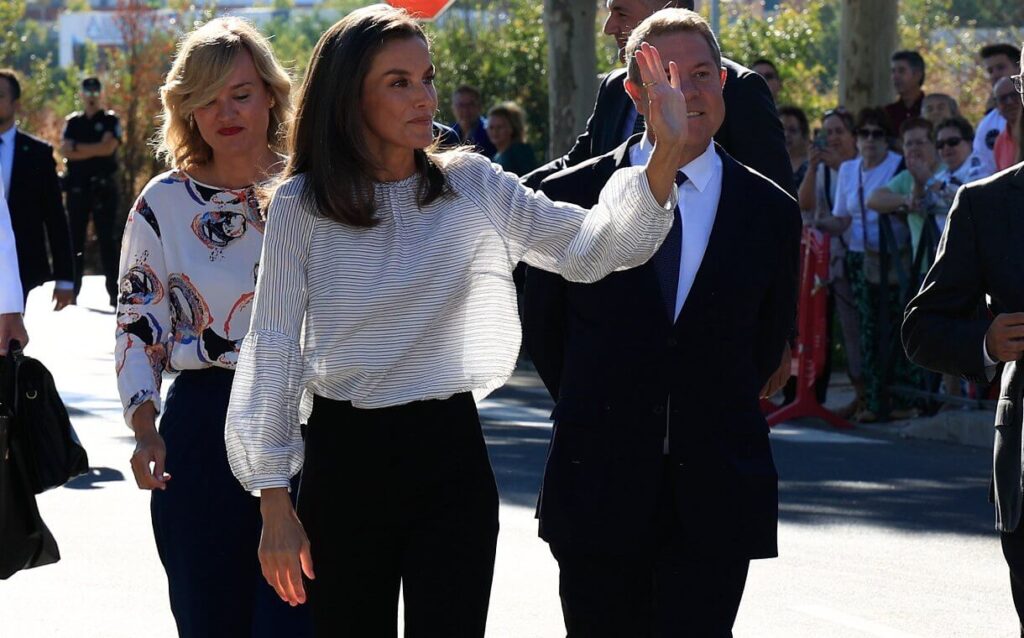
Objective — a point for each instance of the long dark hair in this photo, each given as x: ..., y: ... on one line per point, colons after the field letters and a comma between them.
x: 327, y: 143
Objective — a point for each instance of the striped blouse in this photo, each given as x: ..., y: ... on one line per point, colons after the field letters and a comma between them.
x: 421, y: 306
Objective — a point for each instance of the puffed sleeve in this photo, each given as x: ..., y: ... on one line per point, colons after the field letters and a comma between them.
x: 623, y: 230
x: 143, y: 311
x: 262, y: 434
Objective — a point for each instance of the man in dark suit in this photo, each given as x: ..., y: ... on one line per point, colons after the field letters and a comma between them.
x: 34, y: 199
x: 660, y: 485
x: 751, y: 132
x: 980, y: 258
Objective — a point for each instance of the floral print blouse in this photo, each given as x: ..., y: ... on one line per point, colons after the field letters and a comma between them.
x: 188, y: 268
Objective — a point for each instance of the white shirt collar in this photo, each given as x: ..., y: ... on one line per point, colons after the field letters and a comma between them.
x: 699, y: 171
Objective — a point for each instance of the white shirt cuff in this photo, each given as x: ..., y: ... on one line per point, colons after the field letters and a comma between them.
x: 990, y: 363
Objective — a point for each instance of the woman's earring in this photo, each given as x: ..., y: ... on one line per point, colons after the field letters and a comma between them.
x: 272, y: 102
x: 191, y: 120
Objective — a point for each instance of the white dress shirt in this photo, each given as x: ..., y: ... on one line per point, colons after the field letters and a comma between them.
x: 420, y: 306
x: 7, y: 156
x: 10, y: 281
x: 698, y: 206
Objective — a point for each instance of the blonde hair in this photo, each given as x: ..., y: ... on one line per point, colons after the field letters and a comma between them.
x: 201, y: 67
x: 516, y: 120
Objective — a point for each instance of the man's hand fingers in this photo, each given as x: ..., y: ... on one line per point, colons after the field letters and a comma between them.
x: 1010, y: 319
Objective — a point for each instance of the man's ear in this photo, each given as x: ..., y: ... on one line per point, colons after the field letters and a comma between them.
x: 635, y: 93
x: 724, y: 74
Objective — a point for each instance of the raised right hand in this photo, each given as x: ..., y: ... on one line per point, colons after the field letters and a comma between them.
x: 284, y: 547
x: 1005, y: 337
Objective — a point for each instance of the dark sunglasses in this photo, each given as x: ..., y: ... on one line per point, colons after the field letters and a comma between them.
x: 1007, y: 98
x: 871, y: 133
x: 951, y: 142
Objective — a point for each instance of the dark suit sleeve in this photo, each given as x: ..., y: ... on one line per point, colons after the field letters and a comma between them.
x: 544, y: 325
x: 581, y: 151
x: 544, y: 293
x: 56, y: 220
x: 752, y: 132
x: 941, y: 330
x: 777, y: 321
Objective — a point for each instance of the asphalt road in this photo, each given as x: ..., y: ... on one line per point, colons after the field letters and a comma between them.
x: 878, y: 536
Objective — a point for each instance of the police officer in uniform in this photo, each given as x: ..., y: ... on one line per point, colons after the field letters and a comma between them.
x: 91, y: 138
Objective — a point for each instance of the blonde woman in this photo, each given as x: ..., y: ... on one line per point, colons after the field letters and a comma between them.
x: 506, y: 127
x: 187, y: 275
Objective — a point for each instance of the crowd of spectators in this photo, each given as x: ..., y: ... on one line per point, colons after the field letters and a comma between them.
x: 902, y: 163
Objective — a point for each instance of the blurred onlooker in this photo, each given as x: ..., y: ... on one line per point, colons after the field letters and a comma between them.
x: 953, y: 140
x: 907, y: 72
x: 938, y: 107
x: 798, y: 134
x: 999, y: 61
x: 34, y: 198
x: 1009, y: 106
x: 467, y: 105
x: 90, y: 141
x: 905, y: 194
x: 834, y: 145
x: 767, y: 70
x: 506, y: 128
x: 858, y: 178
x: 905, y: 191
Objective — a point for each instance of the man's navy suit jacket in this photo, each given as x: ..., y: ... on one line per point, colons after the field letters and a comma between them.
x: 621, y: 373
x: 751, y: 131
x: 37, y: 214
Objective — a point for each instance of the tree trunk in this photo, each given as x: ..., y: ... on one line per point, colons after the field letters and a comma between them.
x: 867, y: 40
x: 572, y: 69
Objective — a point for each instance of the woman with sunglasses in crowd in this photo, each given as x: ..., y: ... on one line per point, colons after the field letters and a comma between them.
x: 384, y: 300
x: 857, y: 179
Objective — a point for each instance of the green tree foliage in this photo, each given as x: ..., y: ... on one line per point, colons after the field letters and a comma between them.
x: 803, y: 42
x: 501, y: 50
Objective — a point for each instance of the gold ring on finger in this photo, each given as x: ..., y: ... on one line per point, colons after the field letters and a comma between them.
x: 647, y: 84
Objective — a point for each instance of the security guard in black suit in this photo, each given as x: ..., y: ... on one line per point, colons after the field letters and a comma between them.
x: 91, y: 138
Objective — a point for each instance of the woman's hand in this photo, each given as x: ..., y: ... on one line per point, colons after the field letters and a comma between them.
x: 284, y: 548
x: 149, y: 449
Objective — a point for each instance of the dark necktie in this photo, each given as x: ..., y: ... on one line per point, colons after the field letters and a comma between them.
x: 638, y: 125
x: 666, y: 260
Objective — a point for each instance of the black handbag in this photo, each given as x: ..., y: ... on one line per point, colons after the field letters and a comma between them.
x: 53, y: 452
x: 25, y: 541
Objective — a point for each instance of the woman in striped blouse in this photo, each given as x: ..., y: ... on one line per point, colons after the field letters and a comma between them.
x: 188, y: 268
x: 384, y: 300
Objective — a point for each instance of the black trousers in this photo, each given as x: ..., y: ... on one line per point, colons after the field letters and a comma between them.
x: 671, y: 589
x: 97, y: 199
x: 1013, y: 552
x: 207, y: 527
x: 399, y: 496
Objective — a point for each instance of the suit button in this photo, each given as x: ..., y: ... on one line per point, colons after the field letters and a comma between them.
x: 672, y: 342
x: 658, y: 409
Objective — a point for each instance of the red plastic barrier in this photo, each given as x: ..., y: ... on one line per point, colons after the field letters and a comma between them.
x: 812, y: 340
